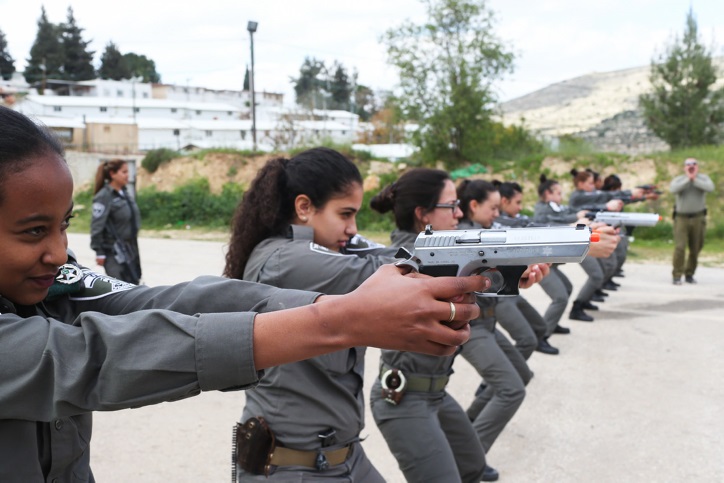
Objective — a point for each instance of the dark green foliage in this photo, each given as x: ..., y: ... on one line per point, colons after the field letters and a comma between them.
x: 7, y: 63
x: 247, y: 85
x: 46, y: 55
x: 141, y: 66
x: 191, y: 204
x: 77, y: 59
x: 370, y: 220
x: 320, y: 87
x: 447, y: 66
x: 683, y: 109
x: 156, y: 157
x: 113, y: 64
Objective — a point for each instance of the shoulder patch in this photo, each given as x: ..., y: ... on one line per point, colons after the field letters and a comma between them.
x: 323, y: 250
x: 98, y: 209
x: 95, y: 286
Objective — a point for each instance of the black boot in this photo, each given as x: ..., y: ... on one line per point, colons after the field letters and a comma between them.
x: 588, y: 306
x: 577, y: 313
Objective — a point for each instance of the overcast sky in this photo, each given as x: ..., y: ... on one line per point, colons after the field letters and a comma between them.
x: 205, y: 43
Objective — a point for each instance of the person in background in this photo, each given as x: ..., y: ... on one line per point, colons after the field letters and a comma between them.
x: 587, y: 198
x: 502, y: 366
x: 296, y: 228
x: 424, y: 426
x: 76, y: 341
x: 690, y: 189
x: 115, y: 223
x: 517, y: 316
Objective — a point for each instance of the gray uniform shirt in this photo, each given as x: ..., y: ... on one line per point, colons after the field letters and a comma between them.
x: 690, y: 195
x: 596, y: 199
x: 112, y: 345
x: 303, y: 399
x: 519, y: 221
x: 554, y: 214
x: 112, y: 207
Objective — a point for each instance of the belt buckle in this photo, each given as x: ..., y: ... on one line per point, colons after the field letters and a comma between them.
x: 394, y: 384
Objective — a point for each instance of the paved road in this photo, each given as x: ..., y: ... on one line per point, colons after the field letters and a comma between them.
x: 638, y: 395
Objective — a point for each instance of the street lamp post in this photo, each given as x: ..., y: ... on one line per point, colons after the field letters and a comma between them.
x: 251, y: 27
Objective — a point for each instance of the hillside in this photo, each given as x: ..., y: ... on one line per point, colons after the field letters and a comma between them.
x: 599, y: 107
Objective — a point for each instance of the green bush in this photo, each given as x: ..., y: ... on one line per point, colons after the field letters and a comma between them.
x: 190, y: 204
x: 156, y: 157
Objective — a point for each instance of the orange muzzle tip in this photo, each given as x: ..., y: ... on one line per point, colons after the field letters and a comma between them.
x: 595, y: 237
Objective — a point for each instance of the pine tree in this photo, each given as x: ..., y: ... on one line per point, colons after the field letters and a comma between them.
x: 113, y: 65
x: 7, y: 63
x: 340, y: 87
x: 46, y: 55
x: 78, y: 62
x: 682, y: 108
x: 246, y: 80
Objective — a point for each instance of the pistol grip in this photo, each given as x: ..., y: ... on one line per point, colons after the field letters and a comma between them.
x: 511, y: 276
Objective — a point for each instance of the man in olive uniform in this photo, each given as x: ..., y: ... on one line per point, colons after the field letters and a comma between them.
x: 690, y: 189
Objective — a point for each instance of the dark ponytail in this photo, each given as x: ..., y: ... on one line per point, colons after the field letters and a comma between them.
x: 104, y: 171
x: 417, y: 187
x: 268, y: 205
x: 545, y: 185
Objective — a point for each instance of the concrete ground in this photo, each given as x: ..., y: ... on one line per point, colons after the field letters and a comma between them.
x: 637, y: 395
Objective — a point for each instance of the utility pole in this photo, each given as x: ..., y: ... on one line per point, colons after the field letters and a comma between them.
x: 251, y: 27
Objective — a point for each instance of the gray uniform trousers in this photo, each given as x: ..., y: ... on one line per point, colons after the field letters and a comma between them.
x: 522, y: 322
x: 427, y: 419
x: 594, y: 281
x: 356, y: 469
x: 609, y: 265
x: 621, y: 251
x: 506, y: 387
x: 557, y: 286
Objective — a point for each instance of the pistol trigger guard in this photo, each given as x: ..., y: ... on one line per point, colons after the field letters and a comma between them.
x: 410, y: 260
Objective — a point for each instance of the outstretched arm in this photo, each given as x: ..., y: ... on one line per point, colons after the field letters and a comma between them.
x: 389, y: 310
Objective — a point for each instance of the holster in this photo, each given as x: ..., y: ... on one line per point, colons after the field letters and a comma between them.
x: 253, y: 444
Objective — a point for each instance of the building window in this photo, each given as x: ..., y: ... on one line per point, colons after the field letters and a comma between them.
x: 176, y: 132
x: 243, y: 134
x: 57, y: 108
x: 173, y: 110
x: 119, y: 93
x: 106, y: 128
x: 208, y: 134
x: 103, y: 109
x: 136, y: 109
x: 344, y: 132
x: 230, y: 113
x: 198, y: 112
x: 145, y: 95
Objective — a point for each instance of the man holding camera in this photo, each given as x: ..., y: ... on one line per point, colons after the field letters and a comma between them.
x: 690, y: 189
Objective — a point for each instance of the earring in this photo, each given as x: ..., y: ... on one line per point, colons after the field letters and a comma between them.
x: 303, y: 218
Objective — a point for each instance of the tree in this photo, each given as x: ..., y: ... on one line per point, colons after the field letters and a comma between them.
x: 77, y: 59
x: 46, y: 55
x: 247, y: 86
x: 113, y: 65
x: 141, y: 66
x: 307, y: 85
x: 340, y: 88
x: 447, y: 66
x: 7, y: 63
x: 365, y: 102
x: 682, y: 108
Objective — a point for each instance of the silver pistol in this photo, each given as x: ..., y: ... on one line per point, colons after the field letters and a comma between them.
x: 500, y: 255
x: 615, y: 218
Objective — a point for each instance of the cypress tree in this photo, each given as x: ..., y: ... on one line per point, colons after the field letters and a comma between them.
x: 78, y: 62
x: 7, y: 63
x: 46, y: 55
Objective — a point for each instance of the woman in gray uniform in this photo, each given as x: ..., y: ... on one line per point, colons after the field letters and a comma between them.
x: 115, y: 223
x: 315, y: 407
x: 75, y: 341
x: 549, y: 211
x: 517, y: 316
x: 502, y: 367
x: 425, y: 428
x: 587, y: 197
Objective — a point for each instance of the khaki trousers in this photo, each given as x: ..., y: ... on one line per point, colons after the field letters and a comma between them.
x: 688, y: 232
